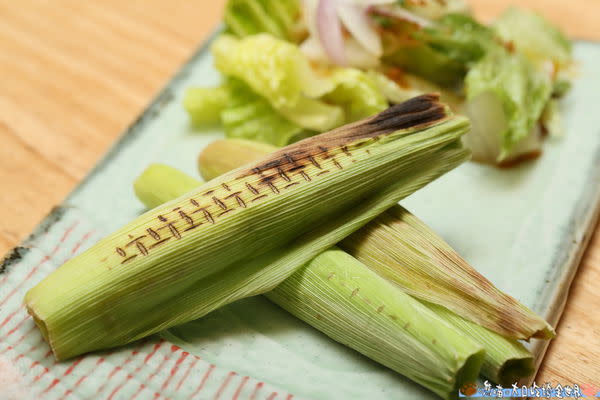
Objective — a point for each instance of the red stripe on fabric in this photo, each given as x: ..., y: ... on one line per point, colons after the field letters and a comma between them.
x: 289, y: 397
x: 240, y: 387
x: 6, y: 349
x: 52, y: 384
x: 9, y: 317
x: 151, y: 354
x: 31, y: 329
x: 257, y: 388
x: 45, y: 259
x: 72, y: 367
x: 5, y: 278
x: 174, y: 370
x: 31, y: 272
x: 138, y: 391
x: 119, y: 386
x: 136, y: 351
x: 142, y: 386
x: 203, y: 381
x: 187, y: 373
x: 80, y: 380
x: 68, y: 231
x: 38, y: 377
x: 29, y: 275
x: 80, y: 243
x: 55, y: 381
x: 157, y: 369
x: 13, y: 330
x: 83, y: 378
x: 117, y: 368
x: 272, y: 396
x: 224, y: 384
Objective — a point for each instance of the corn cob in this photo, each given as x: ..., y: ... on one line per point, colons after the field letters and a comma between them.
x: 341, y: 297
x: 400, y: 247
x: 181, y: 260
x: 506, y: 359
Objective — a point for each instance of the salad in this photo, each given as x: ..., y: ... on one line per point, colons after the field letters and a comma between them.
x: 294, y: 68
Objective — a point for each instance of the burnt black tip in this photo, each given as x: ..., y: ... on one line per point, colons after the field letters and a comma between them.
x: 419, y: 110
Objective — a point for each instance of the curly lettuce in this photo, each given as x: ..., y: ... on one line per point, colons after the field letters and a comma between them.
x: 506, y: 96
x: 532, y: 35
x: 204, y: 105
x: 441, y: 52
x: 279, y: 72
x: 250, y: 116
x: 249, y: 17
x: 357, y: 93
x: 273, y: 68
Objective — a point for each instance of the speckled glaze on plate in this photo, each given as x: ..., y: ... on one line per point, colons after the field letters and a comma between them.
x: 524, y: 228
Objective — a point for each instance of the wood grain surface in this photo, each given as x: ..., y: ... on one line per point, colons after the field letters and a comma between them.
x: 74, y: 74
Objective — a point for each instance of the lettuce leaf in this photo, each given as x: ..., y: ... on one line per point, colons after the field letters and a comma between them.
x: 441, y: 52
x: 204, y: 105
x: 250, y: 116
x: 422, y: 60
x: 551, y: 119
x: 279, y: 72
x: 532, y: 35
x: 506, y: 96
x: 273, y: 68
x: 314, y: 114
x: 357, y: 93
x: 459, y: 37
x: 249, y: 17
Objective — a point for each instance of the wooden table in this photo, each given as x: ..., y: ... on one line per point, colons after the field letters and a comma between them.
x: 74, y: 74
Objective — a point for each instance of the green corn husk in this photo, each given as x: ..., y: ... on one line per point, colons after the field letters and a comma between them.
x: 341, y: 297
x: 401, y: 248
x: 181, y: 260
x: 507, y: 360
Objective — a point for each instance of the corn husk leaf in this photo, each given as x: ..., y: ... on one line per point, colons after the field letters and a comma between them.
x: 342, y: 298
x: 181, y: 260
x: 506, y: 360
x: 405, y: 251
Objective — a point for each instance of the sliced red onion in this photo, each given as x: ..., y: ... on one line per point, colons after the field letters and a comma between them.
x: 330, y: 31
x: 356, y: 55
x: 355, y: 19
